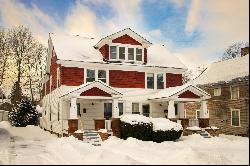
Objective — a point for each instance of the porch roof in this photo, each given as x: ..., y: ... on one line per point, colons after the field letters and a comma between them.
x: 99, y: 85
x: 176, y: 92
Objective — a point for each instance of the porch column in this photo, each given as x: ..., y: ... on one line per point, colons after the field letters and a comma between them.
x: 171, y: 109
x: 181, y: 110
x: 203, y: 110
x: 115, y: 108
x: 73, y: 109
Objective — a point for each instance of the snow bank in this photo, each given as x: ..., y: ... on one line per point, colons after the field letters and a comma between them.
x: 39, y: 109
x: 193, y: 128
x: 103, y: 130
x: 158, y: 123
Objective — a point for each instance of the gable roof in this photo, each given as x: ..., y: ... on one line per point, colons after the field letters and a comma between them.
x: 75, y: 48
x: 127, y: 31
x: 224, y: 71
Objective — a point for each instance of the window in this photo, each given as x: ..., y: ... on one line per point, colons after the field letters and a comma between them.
x: 235, y: 117
x: 234, y: 92
x: 146, y: 110
x: 160, y: 82
x: 78, y: 109
x: 102, y: 75
x: 107, y: 110
x: 217, y: 91
x: 113, y: 52
x: 198, y: 114
x: 58, y: 78
x: 150, y: 80
x: 138, y: 54
x: 135, y: 108
x: 175, y: 109
x: 90, y: 75
x: 122, y: 53
x: 120, y: 106
x: 131, y: 54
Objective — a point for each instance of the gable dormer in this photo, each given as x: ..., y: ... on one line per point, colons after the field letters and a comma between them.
x: 125, y: 46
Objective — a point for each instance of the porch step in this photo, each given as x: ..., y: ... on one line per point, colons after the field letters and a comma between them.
x: 205, y: 134
x: 92, y: 137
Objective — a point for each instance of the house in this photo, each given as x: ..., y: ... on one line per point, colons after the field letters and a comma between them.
x: 89, y: 80
x: 228, y: 83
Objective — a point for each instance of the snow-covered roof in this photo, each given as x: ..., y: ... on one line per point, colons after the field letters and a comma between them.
x: 75, y: 48
x: 224, y: 71
x: 175, y: 91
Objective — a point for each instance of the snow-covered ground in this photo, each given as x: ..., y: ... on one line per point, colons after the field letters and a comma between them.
x: 32, y: 145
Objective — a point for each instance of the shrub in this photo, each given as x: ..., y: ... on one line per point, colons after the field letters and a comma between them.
x: 141, y: 131
x: 149, y: 129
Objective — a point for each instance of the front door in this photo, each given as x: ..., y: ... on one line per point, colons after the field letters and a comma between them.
x: 146, y: 110
x: 107, y: 110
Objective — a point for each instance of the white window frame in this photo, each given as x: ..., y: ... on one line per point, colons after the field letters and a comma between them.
x: 126, y: 52
x: 139, y: 105
x: 58, y: 80
x: 232, y: 109
x: 238, y: 91
x: 219, y: 90
x: 196, y: 114
x: 155, y: 80
x: 96, y: 74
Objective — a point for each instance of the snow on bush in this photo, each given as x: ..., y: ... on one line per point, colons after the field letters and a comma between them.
x: 159, y: 124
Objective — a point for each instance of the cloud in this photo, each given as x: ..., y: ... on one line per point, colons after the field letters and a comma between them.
x: 193, y: 16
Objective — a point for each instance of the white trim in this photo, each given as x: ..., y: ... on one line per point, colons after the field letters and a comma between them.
x: 126, y: 46
x: 121, y: 66
x: 232, y: 109
x: 58, y: 76
x: 196, y: 114
x: 96, y: 74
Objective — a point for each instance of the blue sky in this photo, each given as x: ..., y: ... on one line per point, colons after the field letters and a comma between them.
x: 197, y: 31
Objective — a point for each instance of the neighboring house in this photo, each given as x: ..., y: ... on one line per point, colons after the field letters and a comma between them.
x: 228, y: 83
x: 122, y: 73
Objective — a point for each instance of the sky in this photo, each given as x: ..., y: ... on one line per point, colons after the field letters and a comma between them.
x: 196, y: 31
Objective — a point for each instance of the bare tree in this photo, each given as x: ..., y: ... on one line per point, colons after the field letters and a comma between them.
x: 234, y: 50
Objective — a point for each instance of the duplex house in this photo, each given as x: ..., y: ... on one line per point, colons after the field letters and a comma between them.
x: 228, y: 83
x: 123, y: 73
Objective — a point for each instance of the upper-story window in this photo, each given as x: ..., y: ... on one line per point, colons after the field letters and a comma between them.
x: 150, y: 80
x: 234, y: 92
x: 155, y: 81
x: 90, y: 75
x: 125, y: 52
x: 160, y: 81
x: 95, y: 74
x: 217, y: 91
x: 138, y: 54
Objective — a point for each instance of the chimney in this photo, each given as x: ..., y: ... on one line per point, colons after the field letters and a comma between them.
x: 244, y: 51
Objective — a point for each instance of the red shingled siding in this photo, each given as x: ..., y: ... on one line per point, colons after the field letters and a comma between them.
x: 126, y: 39
x: 95, y: 92
x: 126, y: 79
x: 188, y: 94
x: 72, y: 76
x: 173, y: 80
x: 105, y: 51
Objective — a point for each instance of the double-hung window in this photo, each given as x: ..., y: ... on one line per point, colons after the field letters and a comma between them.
x: 102, y: 75
x: 90, y: 75
x: 131, y: 54
x: 122, y: 53
x: 113, y: 52
x: 217, y: 91
x: 138, y: 54
x: 160, y: 82
x: 234, y: 92
x: 235, y: 117
x: 150, y: 80
x: 135, y: 108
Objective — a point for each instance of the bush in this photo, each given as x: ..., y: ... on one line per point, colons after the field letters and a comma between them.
x: 149, y: 129
x: 141, y: 131
x: 6, y: 106
x: 169, y: 135
x: 24, y: 114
